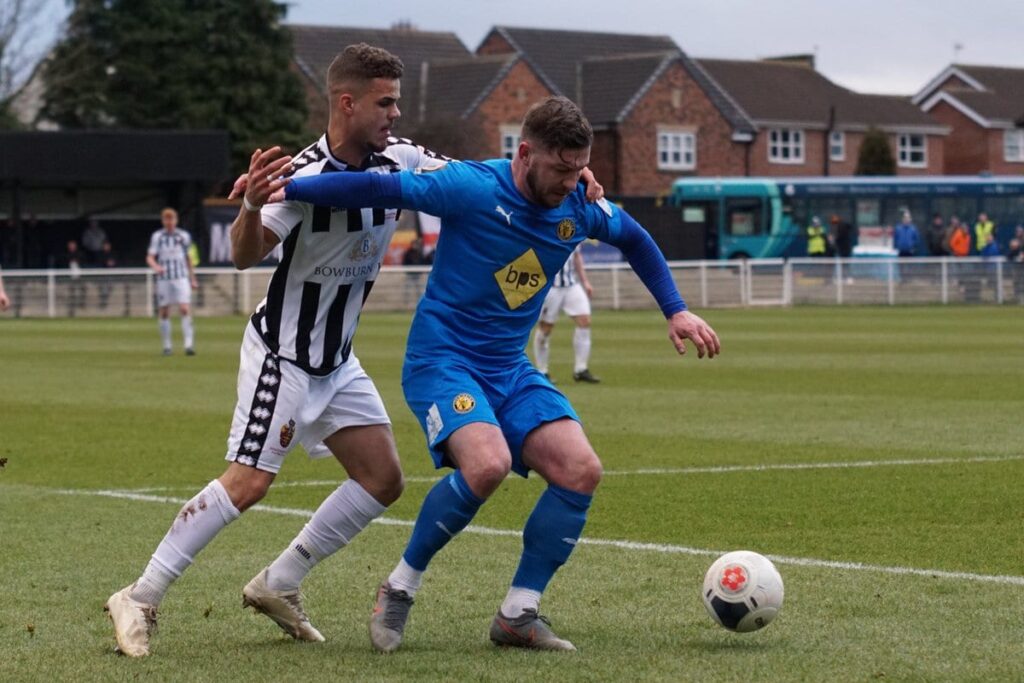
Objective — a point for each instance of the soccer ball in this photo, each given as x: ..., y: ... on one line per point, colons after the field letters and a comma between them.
x: 743, y: 591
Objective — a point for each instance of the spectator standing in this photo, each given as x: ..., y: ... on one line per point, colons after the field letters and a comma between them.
x: 842, y: 237
x: 414, y: 256
x: 906, y: 237
x: 959, y: 241
x: 937, y: 236
x: 93, y: 238
x: 76, y: 288
x: 817, y: 240
x: 107, y: 259
x: 1016, y: 260
x: 982, y: 230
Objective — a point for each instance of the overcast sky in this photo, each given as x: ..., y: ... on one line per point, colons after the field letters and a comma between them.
x: 882, y: 46
x: 879, y: 46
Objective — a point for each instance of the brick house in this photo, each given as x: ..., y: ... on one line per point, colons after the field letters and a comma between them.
x: 983, y: 106
x: 805, y: 125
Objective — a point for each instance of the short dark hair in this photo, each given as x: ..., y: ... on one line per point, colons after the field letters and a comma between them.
x: 362, y: 63
x: 557, y: 123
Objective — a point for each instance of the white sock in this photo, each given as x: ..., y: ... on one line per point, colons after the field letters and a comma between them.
x: 581, y: 346
x: 405, y: 578
x: 187, y: 331
x: 341, y: 516
x: 541, y: 350
x: 165, y: 332
x: 199, y: 520
x: 518, y: 601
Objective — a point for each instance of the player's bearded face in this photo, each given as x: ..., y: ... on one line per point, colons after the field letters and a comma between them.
x: 552, y: 174
x: 376, y: 111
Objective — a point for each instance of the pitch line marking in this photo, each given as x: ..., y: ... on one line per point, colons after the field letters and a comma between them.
x: 719, y: 469
x: 663, y: 548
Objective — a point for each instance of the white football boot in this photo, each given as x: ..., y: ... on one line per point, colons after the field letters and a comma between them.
x: 283, y: 607
x: 134, y: 622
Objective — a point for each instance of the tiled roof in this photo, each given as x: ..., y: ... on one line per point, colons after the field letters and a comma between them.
x: 456, y: 86
x: 316, y: 46
x: 556, y: 54
x: 785, y: 92
x: 608, y: 85
x: 1003, y: 98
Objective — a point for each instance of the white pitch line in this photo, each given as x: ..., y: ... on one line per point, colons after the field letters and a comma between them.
x: 662, y: 548
x: 718, y: 469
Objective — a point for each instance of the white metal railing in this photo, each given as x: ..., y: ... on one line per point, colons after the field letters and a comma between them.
x: 129, y: 292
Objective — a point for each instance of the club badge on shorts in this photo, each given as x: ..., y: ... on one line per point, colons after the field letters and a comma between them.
x: 463, y: 403
x: 287, y: 432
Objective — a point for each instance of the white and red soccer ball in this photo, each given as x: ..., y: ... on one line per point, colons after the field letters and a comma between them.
x: 743, y: 591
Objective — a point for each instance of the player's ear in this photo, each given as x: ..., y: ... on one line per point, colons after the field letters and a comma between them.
x: 346, y: 102
x: 524, y: 150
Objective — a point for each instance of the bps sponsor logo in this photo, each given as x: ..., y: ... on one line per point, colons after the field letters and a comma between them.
x: 521, y: 280
x: 287, y: 433
x: 463, y: 403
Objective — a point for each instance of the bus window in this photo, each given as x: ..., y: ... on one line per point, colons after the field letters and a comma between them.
x: 744, y: 217
x: 964, y: 208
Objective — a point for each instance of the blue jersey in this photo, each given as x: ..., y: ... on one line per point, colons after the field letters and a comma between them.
x: 497, y: 255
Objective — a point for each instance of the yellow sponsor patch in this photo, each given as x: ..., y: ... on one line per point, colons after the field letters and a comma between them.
x: 521, y: 279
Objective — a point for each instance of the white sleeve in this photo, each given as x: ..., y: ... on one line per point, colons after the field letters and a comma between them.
x: 282, y: 217
x: 152, y: 244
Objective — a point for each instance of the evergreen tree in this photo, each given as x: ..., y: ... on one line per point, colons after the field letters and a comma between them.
x: 180, y: 64
x: 875, y: 157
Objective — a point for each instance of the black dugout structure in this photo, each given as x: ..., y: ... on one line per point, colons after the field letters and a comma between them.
x: 53, y: 182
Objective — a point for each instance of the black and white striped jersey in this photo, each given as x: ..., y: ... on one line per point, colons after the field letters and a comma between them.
x: 170, y: 248
x: 566, y: 277
x: 330, y: 260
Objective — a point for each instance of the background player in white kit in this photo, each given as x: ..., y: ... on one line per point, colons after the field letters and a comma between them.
x: 175, y: 278
x: 570, y: 292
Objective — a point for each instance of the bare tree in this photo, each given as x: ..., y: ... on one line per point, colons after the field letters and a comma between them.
x: 17, y: 28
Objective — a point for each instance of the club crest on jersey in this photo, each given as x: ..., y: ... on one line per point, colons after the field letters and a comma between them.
x: 566, y: 229
x: 463, y: 403
x: 521, y: 279
x: 287, y: 433
x: 365, y: 248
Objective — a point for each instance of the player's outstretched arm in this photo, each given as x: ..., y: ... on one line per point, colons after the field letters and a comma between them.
x: 649, y: 265
x: 345, y: 190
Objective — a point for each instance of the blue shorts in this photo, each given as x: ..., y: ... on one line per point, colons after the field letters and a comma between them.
x: 447, y: 394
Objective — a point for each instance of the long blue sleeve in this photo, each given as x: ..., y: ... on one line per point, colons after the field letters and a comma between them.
x: 648, y: 263
x: 348, y: 190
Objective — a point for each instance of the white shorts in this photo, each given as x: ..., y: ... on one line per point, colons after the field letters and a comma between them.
x: 572, y: 299
x: 280, y: 406
x: 173, y: 292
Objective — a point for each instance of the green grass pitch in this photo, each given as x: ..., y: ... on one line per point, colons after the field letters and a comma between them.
x: 695, y: 454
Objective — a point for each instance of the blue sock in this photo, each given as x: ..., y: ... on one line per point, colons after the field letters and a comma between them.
x: 448, y: 508
x: 550, y: 535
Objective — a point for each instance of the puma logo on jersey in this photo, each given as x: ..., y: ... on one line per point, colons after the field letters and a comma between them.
x: 503, y: 212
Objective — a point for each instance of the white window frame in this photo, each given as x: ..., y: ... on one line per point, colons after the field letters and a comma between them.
x: 837, y: 146
x: 676, y: 149
x: 510, y: 136
x: 1013, y: 145
x: 785, y: 145
x: 905, y: 150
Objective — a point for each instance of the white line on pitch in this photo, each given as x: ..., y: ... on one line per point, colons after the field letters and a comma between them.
x: 603, y: 542
x: 719, y: 469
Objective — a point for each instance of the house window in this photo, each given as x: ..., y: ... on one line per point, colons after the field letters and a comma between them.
x: 510, y: 137
x: 912, y: 150
x: 785, y: 146
x: 677, y: 150
x: 837, y: 145
x: 1013, y: 145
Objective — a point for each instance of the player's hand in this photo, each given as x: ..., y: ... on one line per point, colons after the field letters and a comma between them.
x: 238, y: 189
x: 589, y: 289
x: 595, y: 190
x: 685, y: 325
x: 278, y: 195
x: 159, y: 270
x: 5, y: 302
x: 264, y: 176
x: 195, y: 282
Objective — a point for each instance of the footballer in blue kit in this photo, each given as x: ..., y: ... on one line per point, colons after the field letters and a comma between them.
x: 508, y: 226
